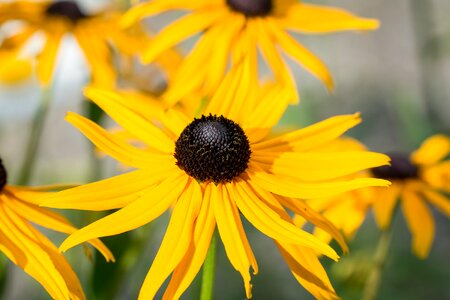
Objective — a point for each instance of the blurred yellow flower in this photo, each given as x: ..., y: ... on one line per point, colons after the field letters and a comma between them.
x: 96, y: 35
x: 241, y: 27
x: 211, y: 170
x: 418, y: 180
x: 14, y: 69
x: 31, y: 250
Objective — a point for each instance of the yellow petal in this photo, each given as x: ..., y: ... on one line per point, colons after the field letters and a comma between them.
x: 233, y: 235
x: 301, y: 208
x: 306, y: 268
x: 131, y: 121
x: 14, y: 69
x: 310, y: 18
x: 271, y: 223
x: 54, y: 221
x: 432, y: 150
x: 347, y: 213
x: 188, y: 268
x: 219, y: 58
x: 148, y: 9
x: 110, y: 193
x: 140, y: 212
x: 270, y: 108
x: 37, y: 256
x: 316, y: 166
x: 301, y: 55
x: 176, y: 241
x: 180, y: 30
x: 310, y: 137
x: 287, y: 187
x: 113, y: 146
x: 175, y: 121
x: 98, y: 55
x: 420, y: 222
x: 384, y: 204
x: 266, y: 43
x: 230, y: 96
x: 440, y: 201
x: 47, y: 58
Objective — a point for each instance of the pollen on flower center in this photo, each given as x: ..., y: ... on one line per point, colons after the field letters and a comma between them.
x: 251, y: 8
x: 68, y: 9
x: 3, y: 176
x: 213, y: 148
x: 401, y: 168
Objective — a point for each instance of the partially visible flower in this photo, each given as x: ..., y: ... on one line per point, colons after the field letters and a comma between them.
x: 419, y: 180
x: 232, y: 28
x: 212, y: 170
x: 97, y: 35
x: 25, y: 246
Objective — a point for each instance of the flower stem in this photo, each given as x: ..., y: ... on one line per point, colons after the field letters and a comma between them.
x: 35, y: 137
x: 209, y: 267
x: 381, y: 253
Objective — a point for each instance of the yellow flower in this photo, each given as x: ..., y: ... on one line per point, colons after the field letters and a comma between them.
x: 31, y: 250
x: 211, y: 169
x: 418, y: 180
x: 240, y: 27
x: 94, y: 33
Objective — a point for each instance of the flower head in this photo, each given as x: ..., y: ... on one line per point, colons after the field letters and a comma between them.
x: 25, y: 246
x: 232, y: 28
x: 212, y: 168
x: 97, y: 34
x: 418, y: 180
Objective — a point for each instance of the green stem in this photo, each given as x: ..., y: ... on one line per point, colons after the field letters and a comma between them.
x: 209, y: 267
x: 381, y: 253
x: 35, y: 137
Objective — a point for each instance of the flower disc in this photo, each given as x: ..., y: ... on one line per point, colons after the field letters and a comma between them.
x: 68, y: 9
x: 213, y: 148
x: 251, y: 8
x: 3, y: 175
x: 401, y: 168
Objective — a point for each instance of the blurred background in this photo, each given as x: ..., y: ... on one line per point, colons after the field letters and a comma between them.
x: 397, y: 77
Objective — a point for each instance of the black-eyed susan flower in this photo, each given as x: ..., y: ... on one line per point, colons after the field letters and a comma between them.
x: 97, y: 34
x: 419, y: 180
x: 231, y: 28
x: 211, y: 170
x: 29, y: 249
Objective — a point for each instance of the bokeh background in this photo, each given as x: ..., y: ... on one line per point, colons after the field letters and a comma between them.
x: 397, y: 77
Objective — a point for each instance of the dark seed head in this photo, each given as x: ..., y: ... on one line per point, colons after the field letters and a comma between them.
x: 213, y: 148
x: 251, y: 8
x: 67, y: 9
x: 401, y: 168
x: 3, y: 176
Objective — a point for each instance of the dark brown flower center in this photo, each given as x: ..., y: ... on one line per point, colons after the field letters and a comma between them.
x: 213, y: 148
x: 67, y: 9
x: 3, y: 176
x: 251, y: 8
x: 401, y: 168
